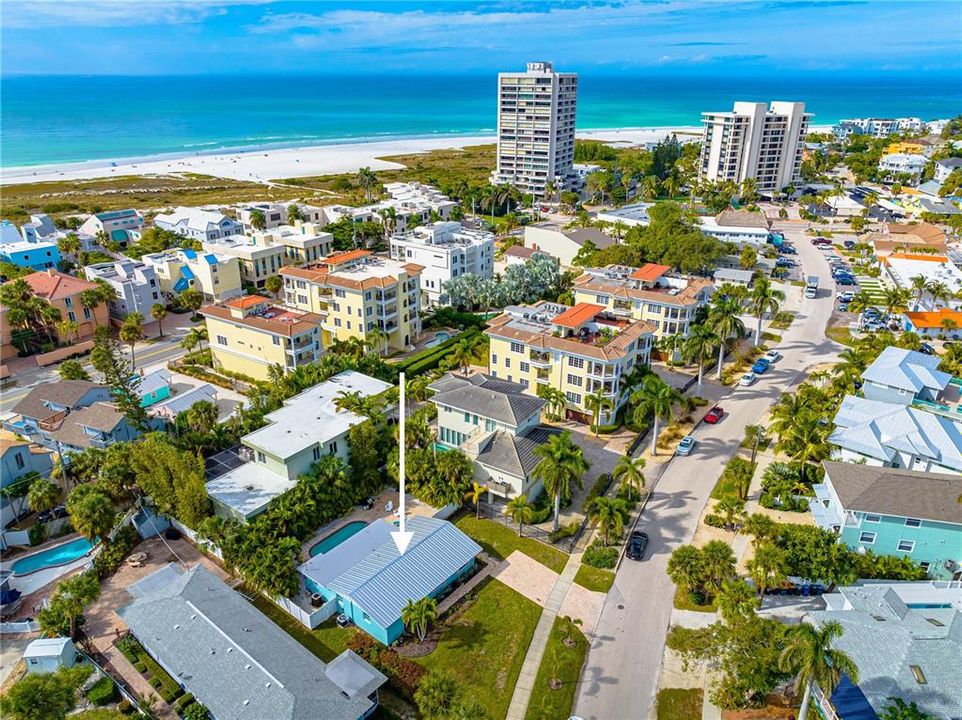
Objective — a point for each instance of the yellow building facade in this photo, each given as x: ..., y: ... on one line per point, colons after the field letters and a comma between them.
x: 249, y: 334
x: 216, y: 276
x: 581, y: 351
x: 359, y: 295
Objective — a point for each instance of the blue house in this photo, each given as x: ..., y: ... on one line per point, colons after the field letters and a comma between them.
x: 370, y: 582
x: 891, y: 511
x: 34, y: 254
x: 154, y: 388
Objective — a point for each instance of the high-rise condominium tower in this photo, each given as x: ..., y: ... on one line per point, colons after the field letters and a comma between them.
x: 536, y: 128
x: 755, y: 141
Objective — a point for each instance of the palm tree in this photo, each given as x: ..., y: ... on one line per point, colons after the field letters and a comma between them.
x: 896, y: 300
x: 462, y: 354
x: 699, y: 347
x: 258, y: 220
x: 755, y: 435
x: 805, y: 442
x: 91, y: 512
x: 201, y: 416
x: 670, y: 185
x: 130, y: 332
x: 193, y: 300
x: 748, y: 190
x: 555, y: 401
x: 293, y: 214
x: 763, y: 299
x: 69, y: 245
x: 549, y: 190
x: 851, y: 362
x: 597, y: 403
x: 561, y: 464
x: 939, y: 291
x: 520, y: 510
x: 920, y: 284
x: 767, y: 566
x: 628, y: 474
x: 861, y: 302
x: 66, y: 330
x: 416, y: 616
x: 657, y: 399
x: 91, y: 299
x: 610, y: 515
x: 375, y: 337
x: 736, y: 601
x: 724, y: 319
x: 42, y: 495
x: 348, y: 401
x: 367, y: 180
x: 809, y: 655
x: 649, y: 188
x: 474, y: 495
x: 158, y: 311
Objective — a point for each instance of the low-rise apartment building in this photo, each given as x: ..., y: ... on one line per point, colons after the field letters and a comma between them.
x: 564, y: 243
x: 63, y: 291
x: 652, y: 293
x: 279, y: 214
x: 938, y: 270
x: 35, y: 254
x: 303, y: 242
x: 198, y: 224
x: 877, y: 127
x: 134, y: 282
x: 249, y: 334
x: 580, y: 350
x: 120, y: 226
x: 358, y: 293
x: 445, y: 250
x: 945, y: 167
x: 911, y: 164
x: 895, y: 512
x: 216, y: 276
x: 307, y: 427
x: 737, y: 226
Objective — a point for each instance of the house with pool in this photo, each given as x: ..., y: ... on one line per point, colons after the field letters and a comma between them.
x: 243, y: 482
x: 365, y: 578
x: 19, y: 459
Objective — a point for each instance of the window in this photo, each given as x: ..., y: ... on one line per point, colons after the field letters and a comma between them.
x: 873, y: 518
x: 925, y: 565
x: 574, y: 380
x: 867, y: 537
x: 474, y: 419
x: 261, y: 457
x: 912, y: 522
x: 337, y: 322
x: 489, y: 425
x: 525, y: 366
x: 317, y: 453
x: 221, y: 340
x: 332, y: 448
x: 576, y: 362
x: 906, y: 546
x: 467, y: 417
x: 340, y: 293
x: 573, y: 397
x: 507, y: 362
x: 494, y: 359
x: 68, y: 302
x: 517, y: 347
x: 523, y: 383
x: 86, y: 313
x: 72, y: 316
x: 277, y: 340
x: 19, y: 459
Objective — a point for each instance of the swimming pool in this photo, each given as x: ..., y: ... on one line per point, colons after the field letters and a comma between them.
x: 437, y: 339
x: 326, y: 544
x: 60, y: 555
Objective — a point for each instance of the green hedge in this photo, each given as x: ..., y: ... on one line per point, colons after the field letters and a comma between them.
x: 167, y: 687
x: 102, y: 692
x: 431, y: 357
x: 601, y: 484
x: 599, y: 556
x: 183, y: 701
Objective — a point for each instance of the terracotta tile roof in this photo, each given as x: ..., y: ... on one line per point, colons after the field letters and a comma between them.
x: 343, y: 257
x: 686, y: 296
x: 55, y: 285
x: 926, y: 231
x: 578, y: 315
x: 246, y: 301
x: 650, y: 271
x: 351, y: 278
x: 288, y: 323
x: 916, y: 256
x: 934, y: 319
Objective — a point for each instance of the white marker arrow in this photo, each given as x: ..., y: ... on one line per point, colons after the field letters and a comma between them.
x: 402, y: 538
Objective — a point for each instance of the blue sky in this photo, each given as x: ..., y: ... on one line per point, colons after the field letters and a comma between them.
x: 135, y: 37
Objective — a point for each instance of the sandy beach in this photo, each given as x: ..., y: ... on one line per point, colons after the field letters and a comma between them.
x: 263, y: 165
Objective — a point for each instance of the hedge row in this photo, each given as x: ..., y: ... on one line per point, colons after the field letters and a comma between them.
x: 598, y: 489
x: 102, y: 692
x: 403, y: 675
x: 167, y: 687
x: 430, y: 358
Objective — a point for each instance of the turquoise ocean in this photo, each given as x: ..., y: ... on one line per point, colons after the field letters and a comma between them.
x: 47, y: 119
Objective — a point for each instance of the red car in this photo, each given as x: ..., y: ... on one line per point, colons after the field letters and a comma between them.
x: 714, y: 415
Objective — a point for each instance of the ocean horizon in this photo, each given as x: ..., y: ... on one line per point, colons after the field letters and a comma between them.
x: 66, y: 119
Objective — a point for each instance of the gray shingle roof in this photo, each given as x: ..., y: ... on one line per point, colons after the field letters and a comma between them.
x: 234, y: 659
x: 368, y: 569
x: 488, y: 397
x: 65, y: 392
x: 596, y: 237
x: 897, y: 492
x: 515, y: 454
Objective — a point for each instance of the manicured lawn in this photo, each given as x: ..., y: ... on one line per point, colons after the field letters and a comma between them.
x: 500, y: 541
x: 679, y: 704
x: 327, y: 642
x: 840, y: 334
x: 562, y: 663
x: 683, y: 602
x: 483, y: 647
x: 725, y: 486
x: 595, y: 578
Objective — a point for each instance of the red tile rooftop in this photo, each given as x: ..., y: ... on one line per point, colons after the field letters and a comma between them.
x: 346, y: 256
x: 650, y: 271
x: 246, y: 301
x: 577, y: 316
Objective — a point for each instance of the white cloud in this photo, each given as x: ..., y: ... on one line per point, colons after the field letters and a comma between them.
x: 113, y: 13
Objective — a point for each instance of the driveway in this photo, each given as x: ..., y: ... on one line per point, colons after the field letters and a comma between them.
x: 620, y: 676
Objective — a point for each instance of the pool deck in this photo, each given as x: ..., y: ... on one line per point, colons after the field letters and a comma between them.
x: 38, y: 580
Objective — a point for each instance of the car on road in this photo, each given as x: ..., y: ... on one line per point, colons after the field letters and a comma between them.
x: 714, y: 415
x: 637, y: 542
x: 686, y: 445
x: 821, y: 241
x: 760, y: 366
x: 846, y: 296
x: 772, y: 356
x: 926, y: 349
x: 746, y: 379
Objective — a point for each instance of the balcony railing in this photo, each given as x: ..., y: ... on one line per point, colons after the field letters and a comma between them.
x: 537, y: 359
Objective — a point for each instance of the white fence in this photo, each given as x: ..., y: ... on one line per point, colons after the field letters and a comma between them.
x: 22, y: 626
x: 21, y: 538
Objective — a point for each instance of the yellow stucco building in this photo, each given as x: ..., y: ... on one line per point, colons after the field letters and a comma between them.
x: 249, y: 334
x: 216, y: 276
x: 358, y: 293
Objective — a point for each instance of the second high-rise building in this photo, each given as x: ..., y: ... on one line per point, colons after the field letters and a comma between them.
x: 536, y: 128
x: 755, y: 141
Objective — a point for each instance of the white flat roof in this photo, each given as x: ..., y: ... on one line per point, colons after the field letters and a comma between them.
x: 311, y: 417
x: 709, y: 225
x: 249, y: 488
x: 371, y: 266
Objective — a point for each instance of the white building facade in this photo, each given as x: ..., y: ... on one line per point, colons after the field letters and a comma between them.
x: 536, y: 128
x: 199, y: 224
x: 446, y: 251
x: 135, y: 284
x: 755, y: 141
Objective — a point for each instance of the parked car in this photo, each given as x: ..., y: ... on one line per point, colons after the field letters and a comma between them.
x: 872, y: 326
x: 846, y: 280
x: 926, y: 349
x: 846, y: 296
x: 686, y: 445
x: 714, y: 415
x: 746, y: 379
x: 760, y: 366
x: 637, y: 542
x: 53, y: 514
x: 784, y: 262
x: 773, y: 356
x: 787, y: 249
x: 848, y: 244
x: 821, y: 241
x: 843, y: 307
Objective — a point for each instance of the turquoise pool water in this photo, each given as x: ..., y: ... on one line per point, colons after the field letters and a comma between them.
x: 441, y: 448
x: 60, y: 555
x: 437, y: 339
x: 330, y: 542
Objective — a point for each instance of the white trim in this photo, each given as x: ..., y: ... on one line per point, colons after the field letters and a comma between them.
x: 866, y: 542
x: 899, y: 547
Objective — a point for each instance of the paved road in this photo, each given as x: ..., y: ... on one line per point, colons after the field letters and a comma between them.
x: 620, y: 676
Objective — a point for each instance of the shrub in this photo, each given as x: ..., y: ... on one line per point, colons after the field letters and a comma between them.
x: 541, y: 510
x: 155, y: 682
x: 113, y: 554
x: 364, y: 645
x: 713, y: 520
x: 102, y: 692
x: 565, y: 531
x: 37, y: 533
x: 140, y: 667
x: 599, y: 556
x: 596, y: 490
x: 183, y: 701
x: 124, y: 707
x: 403, y: 674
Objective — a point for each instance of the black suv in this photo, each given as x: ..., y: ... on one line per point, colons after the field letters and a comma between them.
x: 637, y: 542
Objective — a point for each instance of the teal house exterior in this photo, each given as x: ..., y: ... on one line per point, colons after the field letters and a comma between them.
x: 369, y: 581
x: 154, y: 388
x: 896, y: 512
